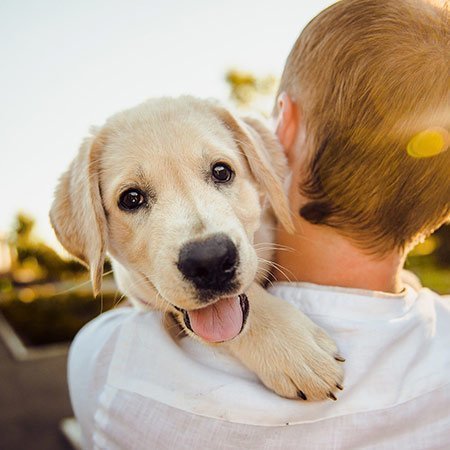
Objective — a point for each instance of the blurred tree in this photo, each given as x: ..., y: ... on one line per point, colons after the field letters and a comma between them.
x: 35, y: 261
x: 23, y: 229
x: 250, y: 92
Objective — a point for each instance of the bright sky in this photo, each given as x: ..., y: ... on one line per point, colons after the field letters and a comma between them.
x: 66, y: 65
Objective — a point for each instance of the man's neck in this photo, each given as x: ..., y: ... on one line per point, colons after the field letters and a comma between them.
x: 318, y: 254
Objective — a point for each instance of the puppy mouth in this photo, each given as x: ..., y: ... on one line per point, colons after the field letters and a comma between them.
x: 221, y: 321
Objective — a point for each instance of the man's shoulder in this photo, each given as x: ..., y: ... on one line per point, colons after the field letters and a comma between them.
x: 441, y: 300
x: 94, y: 346
x: 438, y: 308
x: 132, y: 354
x: 412, y: 281
x: 102, y: 328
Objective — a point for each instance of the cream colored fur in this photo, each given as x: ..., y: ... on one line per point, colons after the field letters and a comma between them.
x: 167, y: 147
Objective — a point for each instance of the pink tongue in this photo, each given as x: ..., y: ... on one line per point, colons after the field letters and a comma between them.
x: 221, y: 321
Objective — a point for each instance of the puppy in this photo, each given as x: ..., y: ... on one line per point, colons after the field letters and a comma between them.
x: 175, y: 191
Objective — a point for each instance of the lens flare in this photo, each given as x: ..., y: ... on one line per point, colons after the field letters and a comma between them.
x: 428, y: 143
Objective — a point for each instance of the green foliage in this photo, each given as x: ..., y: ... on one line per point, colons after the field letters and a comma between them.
x: 246, y: 89
x: 37, y: 257
x: 430, y: 261
x: 47, y: 320
x: 23, y: 229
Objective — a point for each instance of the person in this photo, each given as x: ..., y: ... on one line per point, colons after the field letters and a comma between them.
x: 363, y: 115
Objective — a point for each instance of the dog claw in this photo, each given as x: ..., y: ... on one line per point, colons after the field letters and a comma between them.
x: 340, y: 387
x: 339, y: 358
x: 332, y: 396
x: 302, y: 395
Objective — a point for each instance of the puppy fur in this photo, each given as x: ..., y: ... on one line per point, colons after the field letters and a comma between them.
x: 166, y: 147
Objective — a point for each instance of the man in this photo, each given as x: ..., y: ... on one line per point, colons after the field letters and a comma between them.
x: 363, y: 115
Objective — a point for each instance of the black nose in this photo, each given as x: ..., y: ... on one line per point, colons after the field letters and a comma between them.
x: 209, y: 264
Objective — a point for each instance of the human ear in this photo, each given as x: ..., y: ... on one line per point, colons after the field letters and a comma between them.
x: 287, y: 124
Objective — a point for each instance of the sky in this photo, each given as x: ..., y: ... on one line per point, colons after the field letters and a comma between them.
x: 67, y: 65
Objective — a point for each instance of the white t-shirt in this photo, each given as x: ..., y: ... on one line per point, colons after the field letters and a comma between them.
x: 133, y: 387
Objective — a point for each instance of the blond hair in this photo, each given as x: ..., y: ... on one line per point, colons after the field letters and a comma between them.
x: 368, y: 76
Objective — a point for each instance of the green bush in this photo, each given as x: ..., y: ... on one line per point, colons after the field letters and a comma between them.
x: 47, y: 320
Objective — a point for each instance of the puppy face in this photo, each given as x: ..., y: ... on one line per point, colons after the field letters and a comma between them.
x: 181, y: 204
x: 175, y: 195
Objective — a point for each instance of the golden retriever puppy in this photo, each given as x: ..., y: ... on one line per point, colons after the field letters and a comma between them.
x: 175, y: 191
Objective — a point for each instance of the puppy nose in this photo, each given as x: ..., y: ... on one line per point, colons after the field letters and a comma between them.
x: 209, y: 264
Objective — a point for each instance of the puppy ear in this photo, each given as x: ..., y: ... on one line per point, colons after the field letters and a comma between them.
x: 77, y: 213
x: 265, y: 158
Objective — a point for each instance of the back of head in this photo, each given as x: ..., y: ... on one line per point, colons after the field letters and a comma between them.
x: 369, y: 75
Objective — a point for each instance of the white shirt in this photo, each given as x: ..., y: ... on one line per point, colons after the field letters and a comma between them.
x: 133, y: 387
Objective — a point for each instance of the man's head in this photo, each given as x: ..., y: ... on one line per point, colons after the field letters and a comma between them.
x: 364, y: 78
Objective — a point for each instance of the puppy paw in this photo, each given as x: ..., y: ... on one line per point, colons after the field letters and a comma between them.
x: 306, y: 367
x: 290, y: 354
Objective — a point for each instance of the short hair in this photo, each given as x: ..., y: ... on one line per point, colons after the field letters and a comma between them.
x: 368, y: 76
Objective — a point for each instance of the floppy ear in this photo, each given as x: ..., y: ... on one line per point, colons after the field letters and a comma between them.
x: 77, y: 214
x: 265, y: 158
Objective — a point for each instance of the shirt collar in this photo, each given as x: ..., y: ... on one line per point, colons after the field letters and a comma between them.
x: 335, y: 301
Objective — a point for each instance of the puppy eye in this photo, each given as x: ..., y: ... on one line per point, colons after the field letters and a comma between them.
x: 131, y: 199
x: 222, y: 173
